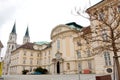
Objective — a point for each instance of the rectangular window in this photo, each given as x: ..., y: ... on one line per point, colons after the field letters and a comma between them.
x: 37, y: 61
x: 31, y: 54
x: 49, y: 52
x: 24, y: 53
x: 119, y: 8
x: 88, y: 53
x: 79, y: 67
x: 23, y: 67
x: 38, y: 55
x: 89, y: 65
x: 107, y: 58
x: 78, y: 54
x: 79, y: 44
x: 45, y: 53
x: 104, y: 35
x: 31, y: 61
x: 58, y: 44
x: 30, y: 68
x: 101, y: 16
x: 49, y: 59
x: 24, y: 61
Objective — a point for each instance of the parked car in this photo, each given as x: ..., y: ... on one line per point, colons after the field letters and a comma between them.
x: 36, y: 73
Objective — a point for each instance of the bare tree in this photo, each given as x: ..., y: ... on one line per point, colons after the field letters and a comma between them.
x: 105, y: 26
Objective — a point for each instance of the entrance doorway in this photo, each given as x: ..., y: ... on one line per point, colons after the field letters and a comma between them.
x: 58, y: 67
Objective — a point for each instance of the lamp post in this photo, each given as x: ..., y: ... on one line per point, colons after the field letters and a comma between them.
x: 78, y: 56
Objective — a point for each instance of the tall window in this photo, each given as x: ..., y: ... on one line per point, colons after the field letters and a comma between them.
x: 10, y: 37
x: 78, y: 54
x: 104, y: 35
x: 24, y: 61
x: 107, y: 58
x: 79, y: 67
x: 101, y: 16
x: 49, y: 59
x: 30, y: 68
x: 88, y: 53
x: 45, y: 53
x: 37, y: 61
x: 12, y: 47
x: 89, y: 64
x: 79, y: 43
x: 31, y: 61
x: 58, y: 44
x: 23, y: 67
x: 37, y: 54
x: 24, y: 53
x: 119, y: 8
x: 31, y: 54
x: 49, y: 52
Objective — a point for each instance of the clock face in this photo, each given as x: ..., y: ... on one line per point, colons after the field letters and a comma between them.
x: 58, y: 56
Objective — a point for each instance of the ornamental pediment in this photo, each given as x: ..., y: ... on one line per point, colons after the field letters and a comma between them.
x: 59, y: 29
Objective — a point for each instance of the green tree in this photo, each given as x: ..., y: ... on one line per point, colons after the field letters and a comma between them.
x: 25, y: 72
x: 41, y: 70
x: 106, y: 33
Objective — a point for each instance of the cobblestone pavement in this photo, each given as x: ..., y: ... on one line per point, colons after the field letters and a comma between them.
x: 50, y: 77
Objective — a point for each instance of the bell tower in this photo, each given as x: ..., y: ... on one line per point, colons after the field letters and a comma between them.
x: 11, y: 45
x: 26, y: 37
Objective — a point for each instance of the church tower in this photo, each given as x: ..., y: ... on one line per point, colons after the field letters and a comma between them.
x: 26, y: 37
x: 11, y: 45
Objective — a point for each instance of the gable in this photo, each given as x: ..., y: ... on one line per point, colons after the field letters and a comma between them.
x: 59, y: 29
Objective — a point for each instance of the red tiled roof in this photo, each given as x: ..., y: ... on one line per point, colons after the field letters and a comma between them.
x: 86, y: 30
x: 27, y: 46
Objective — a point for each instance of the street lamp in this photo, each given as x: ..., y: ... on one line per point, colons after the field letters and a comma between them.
x: 78, y: 56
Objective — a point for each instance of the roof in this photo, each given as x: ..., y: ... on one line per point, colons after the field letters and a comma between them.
x: 86, y: 30
x: 41, y: 42
x: 27, y: 32
x: 48, y: 46
x: 74, y: 25
x: 101, y: 3
x: 14, y: 29
x: 27, y: 46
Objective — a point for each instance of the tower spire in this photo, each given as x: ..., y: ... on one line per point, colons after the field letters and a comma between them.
x: 27, y: 32
x: 14, y: 29
x: 26, y: 37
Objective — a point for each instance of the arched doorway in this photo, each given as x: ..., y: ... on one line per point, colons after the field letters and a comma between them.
x: 58, y: 67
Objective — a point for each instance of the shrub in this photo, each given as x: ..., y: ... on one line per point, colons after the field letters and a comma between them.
x: 25, y: 72
x: 41, y: 70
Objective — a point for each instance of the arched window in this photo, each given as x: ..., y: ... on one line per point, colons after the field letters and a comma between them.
x: 12, y: 47
x: 107, y: 58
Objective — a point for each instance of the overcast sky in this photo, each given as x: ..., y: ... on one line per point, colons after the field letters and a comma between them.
x: 41, y: 16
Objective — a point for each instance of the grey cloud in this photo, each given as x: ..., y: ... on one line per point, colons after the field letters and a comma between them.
x: 7, y: 10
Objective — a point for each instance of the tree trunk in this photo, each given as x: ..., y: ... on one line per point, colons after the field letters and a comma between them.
x: 117, y: 65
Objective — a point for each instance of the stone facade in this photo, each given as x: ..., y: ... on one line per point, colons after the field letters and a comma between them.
x: 70, y: 49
